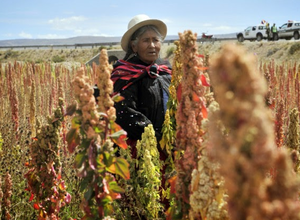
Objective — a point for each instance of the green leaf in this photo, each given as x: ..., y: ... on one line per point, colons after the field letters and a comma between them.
x: 86, y: 181
x: 117, y: 98
x: 76, y: 122
x: 98, y: 130
x: 73, y: 139
x: 79, y: 159
x: 107, y: 159
x: 108, y: 210
x: 88, y: 194
x: 106, y: 200
x: 122, y: 168
x: 115, y: 187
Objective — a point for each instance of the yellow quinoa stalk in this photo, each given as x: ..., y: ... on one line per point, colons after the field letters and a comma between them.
x: 169, y: 127
x: 1, y: 143
x: 61, y: 93
x: 149, y: 173
x: 142, y: 190
x: 189, y: 115
x: 1, y: 195
x: 248, y: 153
x: 208, y: 197
x: 293, y: 138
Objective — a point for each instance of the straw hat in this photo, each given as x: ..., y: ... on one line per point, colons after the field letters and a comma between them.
x: 140, y: 21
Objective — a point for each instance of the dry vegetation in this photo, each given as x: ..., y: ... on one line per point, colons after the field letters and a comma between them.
x: 282, y: 50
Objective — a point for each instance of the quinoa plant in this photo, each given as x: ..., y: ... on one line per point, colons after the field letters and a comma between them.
x: 142, y: 197
x: 45, y: 183
x: 92, y: 137
x: 259, y: 179
x: 189, y: 115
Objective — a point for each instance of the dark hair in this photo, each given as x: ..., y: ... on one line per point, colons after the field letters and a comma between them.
x: 135, y: 38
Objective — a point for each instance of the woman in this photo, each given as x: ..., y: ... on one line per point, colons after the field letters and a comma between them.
x: 141, y: 78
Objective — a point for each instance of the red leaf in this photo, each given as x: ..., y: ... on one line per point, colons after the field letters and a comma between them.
x: 203, y: 80
x: 31, y: 197
x: 195, y: 97
x: 202, y: 68
x: 118, y: 135
x: 172, y: 182
x: 204, y: 112
x: 121, y: 141
x: 36, y: 206
x: 179, y: 92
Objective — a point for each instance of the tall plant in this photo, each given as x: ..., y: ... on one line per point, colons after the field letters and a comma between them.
x: 189, y: 115
x: 92, y: 136
x: 44, y: 180
x: 248, y: 153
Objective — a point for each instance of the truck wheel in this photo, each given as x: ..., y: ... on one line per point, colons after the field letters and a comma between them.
x: 240, y: 38
x: 259, y: 37
x: 296, y: 35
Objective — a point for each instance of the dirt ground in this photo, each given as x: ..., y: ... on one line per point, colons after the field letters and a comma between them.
x: 282, y: 50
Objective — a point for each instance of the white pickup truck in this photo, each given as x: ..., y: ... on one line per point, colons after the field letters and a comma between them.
x: 257, y: 32
x: 289, y: 30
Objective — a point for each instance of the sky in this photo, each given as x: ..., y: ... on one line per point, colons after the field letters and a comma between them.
x: 41, y: 19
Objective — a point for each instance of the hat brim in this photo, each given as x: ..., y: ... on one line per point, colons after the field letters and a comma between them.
x: 161, y: 26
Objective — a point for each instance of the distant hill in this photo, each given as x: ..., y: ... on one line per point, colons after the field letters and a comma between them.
x: 81, y: 40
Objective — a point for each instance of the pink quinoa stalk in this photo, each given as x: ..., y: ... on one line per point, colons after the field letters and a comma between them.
x: 105, y: 85
x: 14, y: 102
x: 279, y: 123
x: 86, y: 102
x: 248, y: 152
x: 95, y: 128
x: 189, y: 115
x: 7, y: 193
x: 32, y: 106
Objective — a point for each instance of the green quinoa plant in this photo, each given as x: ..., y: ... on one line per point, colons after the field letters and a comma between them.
x: 142, y: 192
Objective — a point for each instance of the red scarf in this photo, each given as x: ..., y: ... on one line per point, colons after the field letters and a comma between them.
x: 129, y: 71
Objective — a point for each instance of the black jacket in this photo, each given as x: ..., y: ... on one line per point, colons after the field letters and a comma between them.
x: 145, y: 100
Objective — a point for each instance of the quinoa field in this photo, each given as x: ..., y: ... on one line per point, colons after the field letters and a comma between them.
x: 231, y: 133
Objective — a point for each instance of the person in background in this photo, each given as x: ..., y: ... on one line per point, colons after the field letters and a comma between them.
x: 142, y: 78
x: 268, y: 30
x: 273, y: 31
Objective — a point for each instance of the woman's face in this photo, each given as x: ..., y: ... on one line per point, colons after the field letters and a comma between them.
x: 148, y: 46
